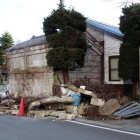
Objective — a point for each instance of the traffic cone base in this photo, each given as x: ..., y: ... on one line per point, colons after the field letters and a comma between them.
x: 21, y: 109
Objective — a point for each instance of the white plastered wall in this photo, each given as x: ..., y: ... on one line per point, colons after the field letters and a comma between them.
x: 111, y: 48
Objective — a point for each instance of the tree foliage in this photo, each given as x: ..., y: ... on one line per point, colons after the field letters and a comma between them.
x: 129, y: 50
x: 6, y: 41
x: 64, y: 30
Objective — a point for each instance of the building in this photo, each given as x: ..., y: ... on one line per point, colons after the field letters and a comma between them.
x: 28, y: 71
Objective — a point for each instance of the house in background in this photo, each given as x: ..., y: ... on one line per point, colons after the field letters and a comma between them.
x: 28, y: 71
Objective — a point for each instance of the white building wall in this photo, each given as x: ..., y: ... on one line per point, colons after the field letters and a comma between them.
x: 111, y: 48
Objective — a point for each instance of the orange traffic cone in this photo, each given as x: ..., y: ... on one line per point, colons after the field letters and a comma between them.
x: 21, y: 109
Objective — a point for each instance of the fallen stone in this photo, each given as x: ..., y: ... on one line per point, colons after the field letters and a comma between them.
x: 68, y: 99
x: 72, y: 109
x: 82, y: 110
x: 138, y: 119
x: 69, y: 92
x: 97, y: 102
x: 71, y: 116
x: 40, y: 115
x: 15, y: 107
x: 109, y: 107
x: 16, y: 95
x: 2, y: 113
x: 56, y: 113
x: 32, y: 113
x: 86, y: 92
x: 3, y: 108
x: 13, y: 112
x: 64, y: 116
x: 82, y: 87
x: 71, y: 87
x: 57, y: 100
x: 34, y: 105
x: 56, y: 106
x: 7, y: 102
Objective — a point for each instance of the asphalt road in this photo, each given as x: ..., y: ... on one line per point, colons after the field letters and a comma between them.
x: 25, y: 128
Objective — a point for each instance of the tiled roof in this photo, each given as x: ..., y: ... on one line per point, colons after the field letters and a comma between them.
x: 34, y: 41
x: 105, y: 27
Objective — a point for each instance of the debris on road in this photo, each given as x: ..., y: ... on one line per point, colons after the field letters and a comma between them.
x: 109, y: 107
x: 70, y: 101
x: 128, y: 110
x: 97, y: 102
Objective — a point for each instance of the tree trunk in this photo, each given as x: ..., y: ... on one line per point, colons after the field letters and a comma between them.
x: 65, y: 75
x: 134, y: 88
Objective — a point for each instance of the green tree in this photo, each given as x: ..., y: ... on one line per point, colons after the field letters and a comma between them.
x: 6, y: 41
x: 129, y: 50
x: 64, y: 30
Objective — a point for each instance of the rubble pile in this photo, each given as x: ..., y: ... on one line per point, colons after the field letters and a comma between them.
x: 68, y: 102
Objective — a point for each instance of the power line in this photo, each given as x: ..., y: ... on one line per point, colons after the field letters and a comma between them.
x: 26, y: 10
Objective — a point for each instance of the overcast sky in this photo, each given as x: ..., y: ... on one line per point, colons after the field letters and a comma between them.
x: 24, y: 18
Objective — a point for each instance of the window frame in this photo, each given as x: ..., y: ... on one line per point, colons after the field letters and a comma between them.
x: 110, y: 57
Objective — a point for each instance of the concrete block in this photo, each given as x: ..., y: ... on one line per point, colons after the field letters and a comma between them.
x: 64, y: 116
x: 86, y: 92
x: 71, y: 116
x: 14, y: 112
x: 33, y: 105
x: 72, y: 87
x: 32, y: 113
x: 72, y: 109
x: 97, y: 102
x: 40, y: 115
x: 56, y: 113
x: 57, y: 100
x: 109, y: 107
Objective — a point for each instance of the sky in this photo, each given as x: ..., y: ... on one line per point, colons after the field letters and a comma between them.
x: 24, y: 18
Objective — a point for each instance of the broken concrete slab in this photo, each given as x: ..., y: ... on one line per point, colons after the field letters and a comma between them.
x: 2, y: 113
x: 62, y: 116
x: 86, y: 92
x: 40, y: 115
x: 56, y: 113
x: 34, y: 105
x: 16, y: 95
x: 71, y: 116
x: 97, y: 101
x: 15, y: 107
x: 69, y: 92
x: 32, y: 113
x: 72, y: 109
x: 56, y: 106
x: 7, y: 102
x: 57, y: 100
x: 109, y: 107
x: 3, y: 108
x: 71, y: 87
x: 13, y: 112
x: 65, y: 116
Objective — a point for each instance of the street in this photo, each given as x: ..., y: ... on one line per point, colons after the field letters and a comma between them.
x: 25, y: 128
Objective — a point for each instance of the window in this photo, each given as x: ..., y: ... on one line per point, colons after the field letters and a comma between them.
x: 113, y: 68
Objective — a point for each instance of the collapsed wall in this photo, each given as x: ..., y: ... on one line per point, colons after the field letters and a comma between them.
x: 28, y: 72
